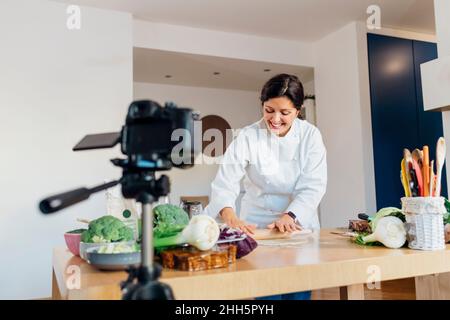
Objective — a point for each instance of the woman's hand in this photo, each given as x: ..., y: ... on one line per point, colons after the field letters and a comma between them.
x: 285, y: 224
x: 230, y: 218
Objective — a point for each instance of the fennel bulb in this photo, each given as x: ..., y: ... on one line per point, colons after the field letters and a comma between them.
x: 202, y: 232
x: 390, y: 231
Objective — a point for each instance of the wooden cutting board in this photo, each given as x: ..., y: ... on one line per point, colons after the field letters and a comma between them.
x: 271, y: 234
x: 191, y: 259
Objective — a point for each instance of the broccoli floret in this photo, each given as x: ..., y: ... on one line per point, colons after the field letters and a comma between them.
x: 169, y: 220
x: 126, y: 233
x: 107, y: 229
x: 97, y: 239
x: 86, y: 236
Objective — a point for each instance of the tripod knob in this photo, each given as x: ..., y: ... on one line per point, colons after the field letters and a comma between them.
x: 163, y: 186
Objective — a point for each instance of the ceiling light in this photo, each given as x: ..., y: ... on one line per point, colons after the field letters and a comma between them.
x: 168, y: 76
x: 267, y: 70
x: 216, y: 73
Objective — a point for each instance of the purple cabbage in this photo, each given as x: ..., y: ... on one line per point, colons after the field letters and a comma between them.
x: 244, y: 247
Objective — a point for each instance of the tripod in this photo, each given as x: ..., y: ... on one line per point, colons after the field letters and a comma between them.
x: 146, y: 139
x: 142, y: 282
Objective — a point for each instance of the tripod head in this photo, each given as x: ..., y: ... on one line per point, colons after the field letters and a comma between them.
x: 151, y: 140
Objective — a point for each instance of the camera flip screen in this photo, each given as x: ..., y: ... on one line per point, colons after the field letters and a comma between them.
x: 98, y: 141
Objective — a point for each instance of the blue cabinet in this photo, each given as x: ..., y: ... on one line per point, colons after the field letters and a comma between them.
x: 398, y: 119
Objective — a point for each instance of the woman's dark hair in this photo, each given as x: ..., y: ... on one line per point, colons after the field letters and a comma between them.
x: 284, y: 85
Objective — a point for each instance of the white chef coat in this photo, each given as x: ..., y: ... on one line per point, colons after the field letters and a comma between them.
x: 281, y: 174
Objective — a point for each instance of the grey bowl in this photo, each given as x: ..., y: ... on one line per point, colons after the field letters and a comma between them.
x: 113, y: 261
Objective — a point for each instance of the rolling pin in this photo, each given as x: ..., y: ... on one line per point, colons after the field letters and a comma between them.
x: 269, y: 234
x: 426, y: 171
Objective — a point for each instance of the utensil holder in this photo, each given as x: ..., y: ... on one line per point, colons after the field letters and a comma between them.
x: 425, y: 222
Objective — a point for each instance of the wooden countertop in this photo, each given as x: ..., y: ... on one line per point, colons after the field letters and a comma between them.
x: 325, y: 260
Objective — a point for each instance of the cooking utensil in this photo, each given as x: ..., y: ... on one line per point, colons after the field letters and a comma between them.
x: 269, y: 234
x: 441, y: 150
x: 410, y: 174
x: 432, y: 180
x: 404, y: 179
x: 417, y: 155
x: 244, y: 236
x: 363, y: 216
x: 418, y: 158
x: 285, y: 242
x: 408, y: 162
x: 426, y: 171
x: 414, y: 183
x: 407, y: 156
x: 348, y: 234
x: 418, y: 174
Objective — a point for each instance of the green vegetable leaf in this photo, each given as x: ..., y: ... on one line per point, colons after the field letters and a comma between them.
x: 76, y: 231
x: 86, y: 236
x: 447, y: 215
x: 447, y: 204
x: 107, y: 229
x: 359, y: 240
x: 169, y: 220
x: 385, y: 212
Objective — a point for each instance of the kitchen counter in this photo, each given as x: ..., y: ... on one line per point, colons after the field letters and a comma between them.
x: 325, y: 260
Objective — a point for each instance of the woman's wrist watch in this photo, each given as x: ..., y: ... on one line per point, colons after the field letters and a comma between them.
x: 292, y: 215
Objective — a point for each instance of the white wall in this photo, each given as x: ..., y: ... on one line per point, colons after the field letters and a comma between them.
x: 343, y: 116
x: 310, y: 105
x: 56, y: 85
x: 308, y: 87
x: 442, y: 9
x: 239, y: 108
x: 223, y: 44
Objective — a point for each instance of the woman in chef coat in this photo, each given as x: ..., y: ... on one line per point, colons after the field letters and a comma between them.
x: 283, y: 162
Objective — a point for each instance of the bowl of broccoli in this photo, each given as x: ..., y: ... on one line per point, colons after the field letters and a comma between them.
x: 106, y: 229
x: 117, y: 257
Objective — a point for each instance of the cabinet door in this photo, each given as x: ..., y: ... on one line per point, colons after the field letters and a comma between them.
x: 394, y: 112
x: 430, y: 122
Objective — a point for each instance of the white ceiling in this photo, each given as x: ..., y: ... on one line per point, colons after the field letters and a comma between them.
x: 197, y: 70
x: 305, y: 20
x: 302, y: 20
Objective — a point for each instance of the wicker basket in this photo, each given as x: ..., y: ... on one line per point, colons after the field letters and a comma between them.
x: 425, y: 222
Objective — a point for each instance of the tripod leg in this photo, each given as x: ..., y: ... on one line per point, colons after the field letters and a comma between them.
x: 147, y: 236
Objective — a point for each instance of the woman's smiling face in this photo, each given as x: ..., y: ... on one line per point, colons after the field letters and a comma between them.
x: 279, y: 114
